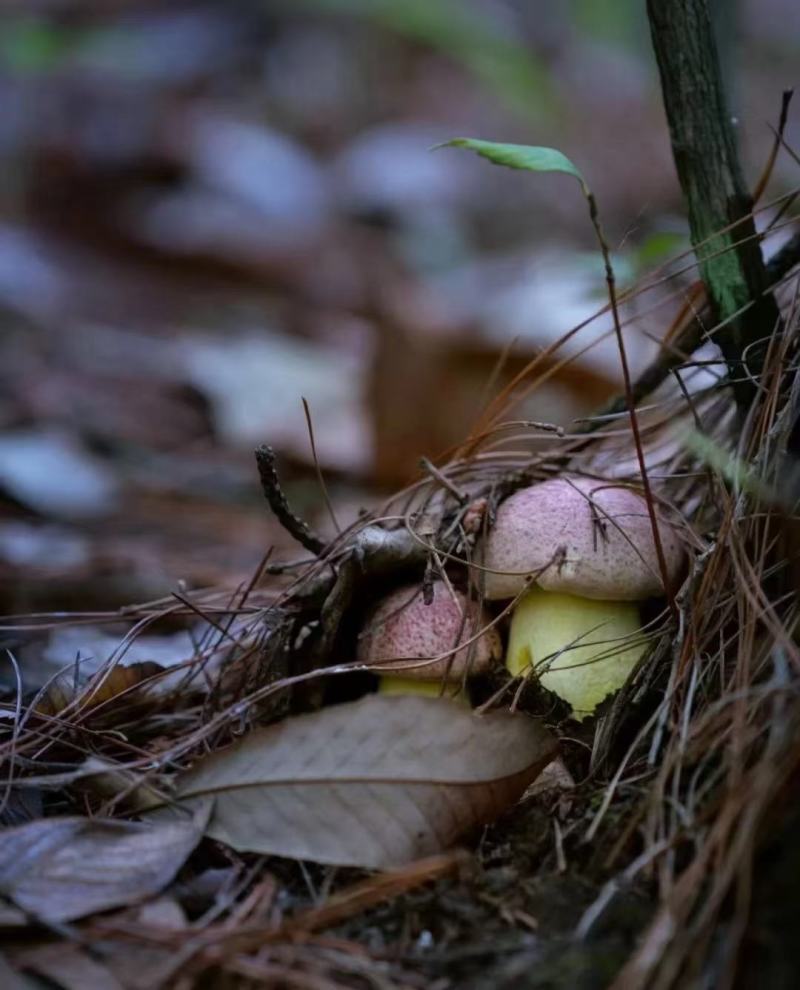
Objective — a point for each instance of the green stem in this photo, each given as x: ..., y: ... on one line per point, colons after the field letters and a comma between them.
x: 710, y: 174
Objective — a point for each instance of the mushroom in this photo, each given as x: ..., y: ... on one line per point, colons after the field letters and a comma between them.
x: 402, y: 628
x: 580, y: 554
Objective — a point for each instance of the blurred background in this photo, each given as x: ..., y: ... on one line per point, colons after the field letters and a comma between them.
x: 211, y: 210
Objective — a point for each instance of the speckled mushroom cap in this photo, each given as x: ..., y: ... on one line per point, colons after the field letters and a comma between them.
x: 596, y: 533
x: 402, y: 626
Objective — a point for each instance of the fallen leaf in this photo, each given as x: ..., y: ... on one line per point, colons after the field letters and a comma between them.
x: 376, y: 783
x: 47, y: 547
x: 554, y: 782
x: 31, y: 460
x: 59, y: 869
x: 118, y: 681
x: 254, y: 383
x: 93, y: 647
x: 75, y: 656
x: 276, y: 183
x: 388, y: 169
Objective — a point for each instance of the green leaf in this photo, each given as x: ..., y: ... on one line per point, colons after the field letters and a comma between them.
x: 523, y: 156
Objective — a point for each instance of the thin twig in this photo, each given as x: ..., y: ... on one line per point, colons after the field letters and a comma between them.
x: 657, y: 372
x: 323, y: 487
x: 443, y: 480
x: 626, y: 376
x: 766, y: 175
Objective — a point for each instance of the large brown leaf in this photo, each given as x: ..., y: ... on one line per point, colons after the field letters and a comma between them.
x: 58, y: 869
x: 375, y: 783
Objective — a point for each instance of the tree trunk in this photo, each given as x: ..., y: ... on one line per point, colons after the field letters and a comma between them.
x: 707, y: 162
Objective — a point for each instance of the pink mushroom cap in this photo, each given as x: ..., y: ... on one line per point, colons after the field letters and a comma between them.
x: 580, y: 536
x: 403, y: 627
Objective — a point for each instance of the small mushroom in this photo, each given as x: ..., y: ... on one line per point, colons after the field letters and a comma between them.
x: 584, y: 550
x: 401, y: 628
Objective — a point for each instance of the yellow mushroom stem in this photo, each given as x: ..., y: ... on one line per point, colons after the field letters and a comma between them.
x: 580, y: 649
x: 430, y: 689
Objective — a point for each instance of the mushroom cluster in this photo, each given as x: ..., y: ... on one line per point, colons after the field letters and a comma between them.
x: 402, y: 629
x: 580, y: 557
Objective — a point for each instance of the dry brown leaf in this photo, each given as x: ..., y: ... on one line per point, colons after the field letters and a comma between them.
x: 376, y: 783
x: 120, y: 680
x: 59, y: 869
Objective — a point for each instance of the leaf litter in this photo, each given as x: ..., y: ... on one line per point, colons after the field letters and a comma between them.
x: 681, y: 775
x: 344, y: 783
x: 60, y: 869
x: 375, y: 783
